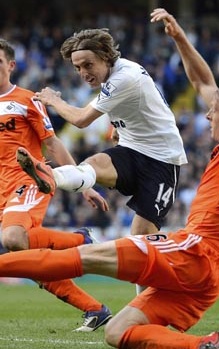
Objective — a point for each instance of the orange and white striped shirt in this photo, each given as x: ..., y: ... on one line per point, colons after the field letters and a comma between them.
x: 23, y: 122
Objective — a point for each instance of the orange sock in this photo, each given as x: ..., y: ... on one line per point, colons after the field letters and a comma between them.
x: 157, y: 337
x: 69, y: 292
x: 41, y: 237
x: 44, y: 264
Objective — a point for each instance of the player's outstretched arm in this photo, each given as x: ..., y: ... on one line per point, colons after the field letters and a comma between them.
x: 79, y: 117
x: 195, y: 66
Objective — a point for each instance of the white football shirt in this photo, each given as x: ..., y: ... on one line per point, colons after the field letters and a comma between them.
x: 140, y: 113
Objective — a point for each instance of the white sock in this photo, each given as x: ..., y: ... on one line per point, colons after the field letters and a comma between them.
x: 75, y: 178
x: 139, y: 289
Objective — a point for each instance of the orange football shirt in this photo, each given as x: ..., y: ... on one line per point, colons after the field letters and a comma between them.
x: 23, y: 122
x: 204, y: 213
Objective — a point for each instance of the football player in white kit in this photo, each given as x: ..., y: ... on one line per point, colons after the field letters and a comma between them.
x: 146, y: 161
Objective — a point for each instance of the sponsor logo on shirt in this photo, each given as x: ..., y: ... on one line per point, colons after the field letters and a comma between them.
x: 9, y: 125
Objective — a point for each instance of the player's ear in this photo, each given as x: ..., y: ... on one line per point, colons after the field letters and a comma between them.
x: 12, y: 65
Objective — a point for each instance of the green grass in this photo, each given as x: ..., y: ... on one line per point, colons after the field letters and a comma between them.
x: 31, y: 318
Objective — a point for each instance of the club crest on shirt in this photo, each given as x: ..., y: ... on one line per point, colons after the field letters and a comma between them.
x: 107, y: 90
x: 11, y: 106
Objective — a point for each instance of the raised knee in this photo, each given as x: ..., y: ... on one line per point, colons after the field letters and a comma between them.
x: 14, y: 239
x: 112, y: 335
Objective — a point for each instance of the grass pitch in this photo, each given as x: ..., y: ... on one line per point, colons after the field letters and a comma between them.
x: 31, y: 318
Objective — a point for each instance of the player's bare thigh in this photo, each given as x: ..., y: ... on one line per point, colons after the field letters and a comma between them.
x: 99, y: 259
x: 105, y: 171
x: 127, y: 317
x: 142, y: 226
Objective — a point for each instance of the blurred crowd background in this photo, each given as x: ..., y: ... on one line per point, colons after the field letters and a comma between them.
x: 38, y: 28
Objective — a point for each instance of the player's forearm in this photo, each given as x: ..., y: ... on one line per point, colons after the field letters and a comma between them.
x: 57, y: 152
x: 195, y: 66
x: 75, y: 116
x: 70, y: 113
x: 62, y: 157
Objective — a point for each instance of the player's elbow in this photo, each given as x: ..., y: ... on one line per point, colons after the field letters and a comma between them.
x: 80, y: 123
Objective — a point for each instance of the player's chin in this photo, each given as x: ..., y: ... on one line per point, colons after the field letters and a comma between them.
x: 215, y: 136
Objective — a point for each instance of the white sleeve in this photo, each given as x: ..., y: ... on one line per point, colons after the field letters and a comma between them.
x: 113, y: 92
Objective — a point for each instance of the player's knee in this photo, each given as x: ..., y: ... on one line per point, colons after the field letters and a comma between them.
x: 14, y: 238
x: 112, y: 334
x: 106, y: 173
